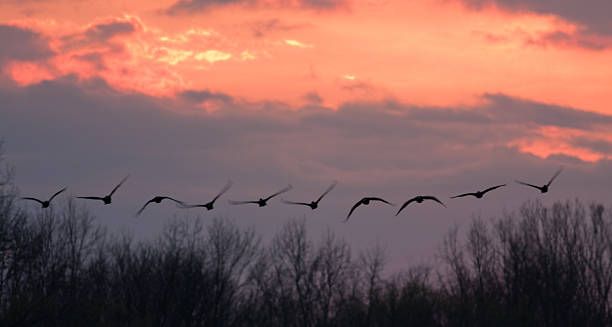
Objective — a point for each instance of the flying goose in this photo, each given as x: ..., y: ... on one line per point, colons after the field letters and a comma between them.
x: 45, y: 204
x: 314, y: 204
x: 106, y: 199
x: 478, y: 194
x: 543, y: 188
x: 419, y: 199
x: 157, y: 199
x: 209, y: 205
x: 262, y: 202
x: 365, y: 201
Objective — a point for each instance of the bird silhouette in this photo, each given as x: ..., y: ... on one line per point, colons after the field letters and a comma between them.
x: 419, y: 199
x: 543, y: 188
x: 157, y: 199
x: 45, y: 204
x: 365, y: 201
x: 314, y: 204
x: 478, y: 194
x: 209, y: 205
x: 106, y: 199
x: 262, y: 202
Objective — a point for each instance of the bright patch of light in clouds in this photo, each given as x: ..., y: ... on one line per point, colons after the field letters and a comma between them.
x: 245, y: 55
x: 173, y: 56
x: 298, y: 44
x: 213, y: 56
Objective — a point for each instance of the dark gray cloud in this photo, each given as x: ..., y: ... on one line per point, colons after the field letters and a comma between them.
x: 593, y: 14
x: 313, y: 98
x: 576, y: 40
x: 502, y: 108
x: 99, y: 33
x: 103, y: 32
x: 96, y: 59
x: 321, y: 4
x: 264, y: 27
x: 22, y: 44
x: 598, y: 145
x: 87, y: 136
x: 204, y: 96
x: 191, y: 6
x: 573, y: 40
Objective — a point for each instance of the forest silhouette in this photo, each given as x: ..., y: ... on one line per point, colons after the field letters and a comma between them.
x: 538, y: 266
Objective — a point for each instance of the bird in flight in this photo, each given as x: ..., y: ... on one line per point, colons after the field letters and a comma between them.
x: 544, y: 188
x: 45, y: 204
x: 209, y: 205
x: 365, y: 201
x: 158, y: 199
x: 106, y: 199
x: 419, y: 199
x: 314, y: 204
x: 478, y: 194
x: 262, y: 202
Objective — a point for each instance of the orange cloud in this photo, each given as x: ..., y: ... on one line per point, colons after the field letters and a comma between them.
x: 426, y: 53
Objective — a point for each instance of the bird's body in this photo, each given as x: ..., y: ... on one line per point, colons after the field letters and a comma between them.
x: 108, y: 198
x: 365, y: 201
x: 478, y: 194
x: 45, y: 204
x: 262, y: 202
x: 314, y: 204
x: 419, y: 199
x: 210, y: 205
x: 158, y: 199
x: 544, y: 188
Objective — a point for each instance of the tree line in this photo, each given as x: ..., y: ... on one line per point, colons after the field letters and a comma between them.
x: 539, y: 266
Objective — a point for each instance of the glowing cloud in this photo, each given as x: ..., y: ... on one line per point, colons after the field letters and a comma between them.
x: 246, y: 55
x: 213, y: 56
x: 298, y: 44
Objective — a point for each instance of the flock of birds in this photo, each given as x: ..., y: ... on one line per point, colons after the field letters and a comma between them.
x: 262, y: 202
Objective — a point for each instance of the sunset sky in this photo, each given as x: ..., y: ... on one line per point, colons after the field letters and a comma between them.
x: 391, y: 98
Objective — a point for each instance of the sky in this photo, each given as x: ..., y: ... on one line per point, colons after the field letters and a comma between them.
x: 390, y: 98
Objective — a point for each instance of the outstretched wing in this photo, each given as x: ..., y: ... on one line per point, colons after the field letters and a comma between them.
x: 527, y: 184
x: 143, y: 207
x: 429, y: 197
x: 292, y: 202
x: 381, y: 200
x: 241, y: 202
x: 57, y: 193
x: 405, y: 205
x: 119, y: 185
x: 353, y: 209
x: 327, y: 191
x: 90, y: 198
x: 279, y: 192
x: 555, y: 176
x: 33, y: 199
x: 462, y: 195
x: 492, y: 188
x: 225, y: 188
